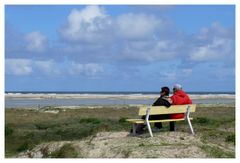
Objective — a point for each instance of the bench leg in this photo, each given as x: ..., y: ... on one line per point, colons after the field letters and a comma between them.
x: 190, y: 125
x: 149, y: 128
x: 134, y: 128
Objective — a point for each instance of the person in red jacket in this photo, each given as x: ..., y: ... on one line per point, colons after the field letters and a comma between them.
x: 179, y: 97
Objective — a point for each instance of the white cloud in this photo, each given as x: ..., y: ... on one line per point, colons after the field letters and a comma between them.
x: 135, y: 38
x: 176, y: 74
x: 215, y: 30
x: 218, y: 49
x: 90, y: 69
x: 93, y: 25
x: 93, y: 69
x: 48, y: 67
x: 137, y: 26
x: 36, y: 42
x: 213, y: 43
x: 130, y: 36
x: 88, y: 25
x: 28, y: 66
x: 150, y: 51
x: 18, y: 67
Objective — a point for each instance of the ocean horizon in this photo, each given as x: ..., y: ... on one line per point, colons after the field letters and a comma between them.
x: 19, y: 99
x: 115, y: 92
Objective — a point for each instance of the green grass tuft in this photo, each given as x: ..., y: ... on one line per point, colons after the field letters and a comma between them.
x: 216, y: 152
x: 202, y: 120
x: 66, y: 151
x: 23, y: 147
x: 8, y: 131
x: 45, y: 125
x: 230, y: 138
x: 90, y: 120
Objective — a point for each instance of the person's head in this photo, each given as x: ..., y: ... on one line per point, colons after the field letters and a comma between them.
x: 177, y: 87
x: 165, y: 91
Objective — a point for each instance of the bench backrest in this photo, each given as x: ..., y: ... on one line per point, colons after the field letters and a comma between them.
x: 164, y: 110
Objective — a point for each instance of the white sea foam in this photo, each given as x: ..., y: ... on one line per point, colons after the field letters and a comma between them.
x: 212, y: 96
x: 109, y: 96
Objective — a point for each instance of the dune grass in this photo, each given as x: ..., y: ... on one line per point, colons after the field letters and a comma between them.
x: 66, y: 151
x: 24, y: 129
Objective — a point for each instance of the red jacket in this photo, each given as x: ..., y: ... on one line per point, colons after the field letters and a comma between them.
x: 179, y: 98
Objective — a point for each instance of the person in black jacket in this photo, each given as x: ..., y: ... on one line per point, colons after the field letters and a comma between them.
x: 163, y: 100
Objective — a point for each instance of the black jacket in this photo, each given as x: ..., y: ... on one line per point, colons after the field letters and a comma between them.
x: 162, y: 101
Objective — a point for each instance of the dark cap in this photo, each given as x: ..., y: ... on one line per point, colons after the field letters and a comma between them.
x: 166, y: 90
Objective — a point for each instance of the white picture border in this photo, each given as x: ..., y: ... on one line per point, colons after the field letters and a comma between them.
x: 115, y: 2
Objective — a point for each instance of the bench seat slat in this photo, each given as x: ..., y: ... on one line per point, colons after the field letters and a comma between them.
x: 164, y: 110
x: 135, y: 120
x: 139, y: 121
x: 167, y: 120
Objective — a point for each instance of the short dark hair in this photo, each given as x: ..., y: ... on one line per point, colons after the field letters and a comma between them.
x: 166, y: 90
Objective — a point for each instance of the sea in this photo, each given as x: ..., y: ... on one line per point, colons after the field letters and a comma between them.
x: 42, y: 99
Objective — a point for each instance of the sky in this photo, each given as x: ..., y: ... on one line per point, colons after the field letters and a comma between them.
x: 119, y: 47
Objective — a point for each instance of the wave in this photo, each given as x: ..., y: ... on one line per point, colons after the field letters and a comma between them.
x: 213, y: 96
x: 108, y: 96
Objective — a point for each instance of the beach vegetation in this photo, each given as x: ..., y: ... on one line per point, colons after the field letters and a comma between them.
x: 202, y: 120
x: 216, y: 152
x: 126, y: 153
x: 66, y: 151
x: 230, y: 138
x: 90, y: 120
x: 8, y: 131
x: 23, y: 147
x: 25, y: 128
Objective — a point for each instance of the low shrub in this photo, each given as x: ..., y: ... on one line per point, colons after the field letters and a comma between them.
x: 8, y: 131
x: 202, y: 120
x: 66, y: 151
x: 90, y: 120
x: 45, y: 125
x: 23, y: 147
x: 230, y: 138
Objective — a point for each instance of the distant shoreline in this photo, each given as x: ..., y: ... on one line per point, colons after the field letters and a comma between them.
x: 126, y: 95
x: 121, y: 106
x: 18, y: 100
x: 36, y: 100
x: 112, y: 92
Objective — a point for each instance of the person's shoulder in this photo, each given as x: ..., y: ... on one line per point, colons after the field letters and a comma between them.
x: 167, y: 98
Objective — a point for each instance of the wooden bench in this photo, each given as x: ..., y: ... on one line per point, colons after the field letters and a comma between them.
x: 155, y: 110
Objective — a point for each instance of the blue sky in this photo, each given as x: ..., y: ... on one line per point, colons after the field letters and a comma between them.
x: 119, y: 47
